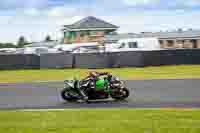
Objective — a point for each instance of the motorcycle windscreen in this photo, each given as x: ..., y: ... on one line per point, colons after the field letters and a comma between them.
x: 100, y: 84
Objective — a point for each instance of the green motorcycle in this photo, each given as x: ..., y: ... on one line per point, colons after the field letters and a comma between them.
x: 100, y: 88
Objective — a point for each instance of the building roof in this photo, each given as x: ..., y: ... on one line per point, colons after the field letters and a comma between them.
x: 174, y: 34
x: 90, y: 23
x: 190, y: 34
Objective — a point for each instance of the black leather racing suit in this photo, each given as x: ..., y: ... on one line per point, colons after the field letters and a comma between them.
x: 93, y: 76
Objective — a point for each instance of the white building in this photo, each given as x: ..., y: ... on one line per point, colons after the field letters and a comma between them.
x: 133, y: 44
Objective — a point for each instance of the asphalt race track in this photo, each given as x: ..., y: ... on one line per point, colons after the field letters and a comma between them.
x: 144, y: 94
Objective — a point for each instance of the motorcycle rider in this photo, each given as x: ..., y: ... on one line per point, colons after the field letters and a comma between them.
x: 92, y: 77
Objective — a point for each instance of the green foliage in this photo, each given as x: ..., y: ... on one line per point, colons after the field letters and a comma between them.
x: 7, y: 45
x: 22, y: 42
x: 48, y: 38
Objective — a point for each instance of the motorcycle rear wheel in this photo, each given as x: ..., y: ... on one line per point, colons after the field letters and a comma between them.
x: 67, y: 95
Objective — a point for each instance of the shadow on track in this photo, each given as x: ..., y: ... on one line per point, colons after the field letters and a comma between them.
x: 107, y: 101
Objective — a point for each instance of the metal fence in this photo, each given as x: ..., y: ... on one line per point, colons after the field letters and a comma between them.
x: 171, y: 57
x: 57, y: 60
x: 19, y: 61
x: 102, y: 60
x: 91, y: 60
x: 126, y: 59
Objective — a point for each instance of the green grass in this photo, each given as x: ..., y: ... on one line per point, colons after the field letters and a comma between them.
x: 163, y: 72
x: 102, y: 121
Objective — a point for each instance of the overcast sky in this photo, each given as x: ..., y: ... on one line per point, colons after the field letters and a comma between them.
x: 36, y: 18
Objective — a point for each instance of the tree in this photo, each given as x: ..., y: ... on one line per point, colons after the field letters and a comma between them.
x: 21, y: 42
x: 180, y: 30
x: 7, y: 45
x: 48, y: 38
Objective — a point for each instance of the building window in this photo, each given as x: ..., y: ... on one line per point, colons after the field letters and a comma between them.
x: 68, y: 35
x: 180, y: 41
x: 85, y: 33
x: 93, y: 33
x: 82, y: 34
x: 194, y: 43
x: 170, y: 43
x: 108, y: 32
x: 133, y: 44
x: 161, y: 41
x: 96, y: 33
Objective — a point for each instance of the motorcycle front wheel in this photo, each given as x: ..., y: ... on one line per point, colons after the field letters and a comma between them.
x: 69, y: 95
x: 123, y: 94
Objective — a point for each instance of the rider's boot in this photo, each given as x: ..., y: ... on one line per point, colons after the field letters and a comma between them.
x: 84, y: 97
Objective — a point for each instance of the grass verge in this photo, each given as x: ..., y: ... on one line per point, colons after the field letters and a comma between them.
x: 162, y: 72
x: 102, y: 121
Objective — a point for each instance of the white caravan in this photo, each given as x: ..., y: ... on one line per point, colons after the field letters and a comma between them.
x: 134, y: 44
x: 78, y: 47
x: 37, y: 50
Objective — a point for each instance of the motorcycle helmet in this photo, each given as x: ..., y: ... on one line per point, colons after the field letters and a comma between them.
x: 92, y: 74
x: 115, y: 79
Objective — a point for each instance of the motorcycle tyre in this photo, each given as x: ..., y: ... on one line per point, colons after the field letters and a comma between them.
x: 123, y: 97
x: 68, y: 97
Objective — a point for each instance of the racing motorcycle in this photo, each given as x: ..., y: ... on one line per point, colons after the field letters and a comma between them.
x: 103, y: 88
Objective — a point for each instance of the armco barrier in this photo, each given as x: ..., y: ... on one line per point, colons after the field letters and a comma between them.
x: 19, y: 61
x: 109, y: 60
x: 193, y: 56
x: 126, y: 59
x: 172, y: 57
x: 32, y: 61
x: 102, y: 60
x: 91, y: 60
x: 57, y: 60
